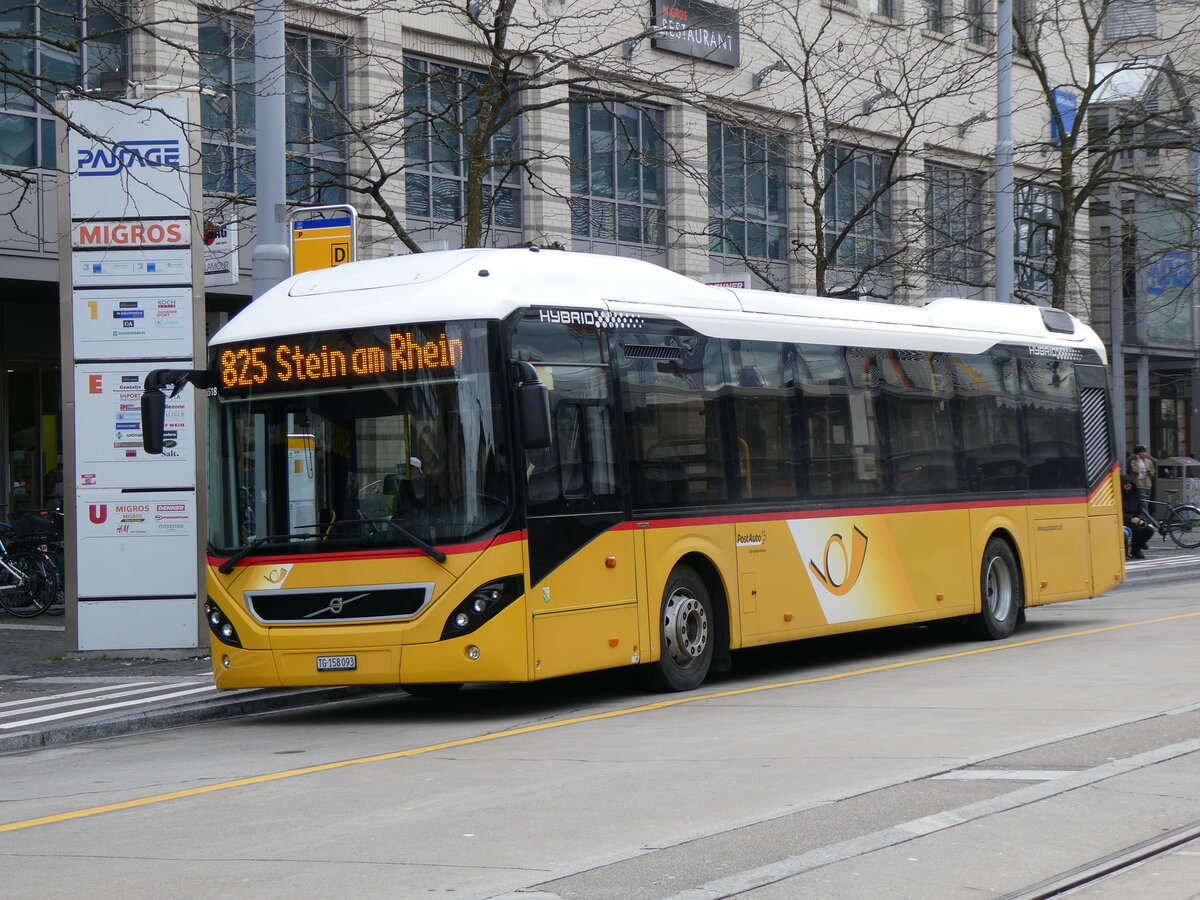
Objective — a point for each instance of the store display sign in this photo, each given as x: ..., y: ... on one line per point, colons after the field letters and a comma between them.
x: 698, y: 29
x: 134, y: 570
x: 221, y: 266
x: 128, y: 160
x: 127, y: 323
x: 104, y: 268
x: 142, y: 624
x: 108, y: 430
x: 151, y: 533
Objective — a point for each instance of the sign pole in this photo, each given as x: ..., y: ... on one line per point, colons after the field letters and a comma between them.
x: 270, y: 258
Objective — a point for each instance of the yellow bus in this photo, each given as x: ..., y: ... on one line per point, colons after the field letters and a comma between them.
x: 522, y: 464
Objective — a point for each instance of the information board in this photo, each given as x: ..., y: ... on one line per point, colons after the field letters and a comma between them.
x: 128, y: 160
x: 131, y: 268
x: 108, y: 431
x: 126, y: 323
x: 321, y: 243
x: 136, y: 543
x: 144, y: 624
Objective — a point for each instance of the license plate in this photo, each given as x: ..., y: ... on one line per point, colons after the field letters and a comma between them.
x: 336, y: 663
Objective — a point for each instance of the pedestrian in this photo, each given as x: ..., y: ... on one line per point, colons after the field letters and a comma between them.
x: 1143, y: 471
x: 1139, y: 531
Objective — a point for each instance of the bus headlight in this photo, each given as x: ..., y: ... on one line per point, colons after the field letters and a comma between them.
x: 482, y: 604
x: 219, y: 625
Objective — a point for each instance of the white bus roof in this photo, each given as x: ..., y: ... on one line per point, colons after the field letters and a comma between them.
x: 492, y: 283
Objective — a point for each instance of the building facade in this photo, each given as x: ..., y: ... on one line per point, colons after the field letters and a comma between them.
x: 839, y: 147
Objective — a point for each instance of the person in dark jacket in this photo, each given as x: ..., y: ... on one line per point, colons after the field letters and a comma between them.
x: 1131, y: 505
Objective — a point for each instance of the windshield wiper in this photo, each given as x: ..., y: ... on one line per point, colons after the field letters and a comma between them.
x: 226, y: 567
x: 428, y: 549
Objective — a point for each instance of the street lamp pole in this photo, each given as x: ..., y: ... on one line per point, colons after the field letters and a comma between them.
x: 1004, y: 153
x: 270, y: 261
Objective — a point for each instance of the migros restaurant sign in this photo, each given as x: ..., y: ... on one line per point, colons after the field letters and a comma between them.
x: 699, y: 29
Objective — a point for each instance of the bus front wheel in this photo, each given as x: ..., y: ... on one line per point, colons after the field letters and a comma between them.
x: 1001, y: 592
x: 687, y: 631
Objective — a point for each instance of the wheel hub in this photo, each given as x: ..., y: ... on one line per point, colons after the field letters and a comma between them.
x: 685, y: 627
x: 999, y: 589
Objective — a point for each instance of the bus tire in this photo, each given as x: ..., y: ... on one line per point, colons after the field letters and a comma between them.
x: 686, y: 632
x: 1002, y: 596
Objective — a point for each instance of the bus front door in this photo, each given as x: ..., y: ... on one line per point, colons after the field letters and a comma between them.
x: 581, y: 559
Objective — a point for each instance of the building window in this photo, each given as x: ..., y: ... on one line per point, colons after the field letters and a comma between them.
x: 227, y: 121
x: 1024, y: 25
x: 36, y: 70
x: 933, y: 15
x: 440, y: 101
x: 1131, y: 18
x: 618, y: 178
x: 1035, y: 216
x: 316, y: 127
x: 747, y: 193
x: 858, y: 206
x: 954, y: 224
x: 886, y: 8
x: 316, y: 144
x: 976, y: 12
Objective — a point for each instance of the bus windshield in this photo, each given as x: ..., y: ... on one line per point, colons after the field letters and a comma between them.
x: 406, y: 457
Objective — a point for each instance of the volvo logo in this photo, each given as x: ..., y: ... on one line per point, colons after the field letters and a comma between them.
x: 336, y: 605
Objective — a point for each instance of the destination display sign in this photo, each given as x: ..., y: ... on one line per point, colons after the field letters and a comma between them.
x: 353, y: 356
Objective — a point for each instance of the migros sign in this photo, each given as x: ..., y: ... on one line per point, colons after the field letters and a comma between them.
x: 132, y: 233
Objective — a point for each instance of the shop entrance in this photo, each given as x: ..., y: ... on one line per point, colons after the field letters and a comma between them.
x: 31, y: 441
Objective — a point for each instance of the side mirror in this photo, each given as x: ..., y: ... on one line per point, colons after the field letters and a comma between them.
x: 154, y: 413
x: 533, y: 408
x: 154, y: 401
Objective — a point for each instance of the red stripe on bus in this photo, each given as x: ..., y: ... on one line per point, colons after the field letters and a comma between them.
x: 398, y: 553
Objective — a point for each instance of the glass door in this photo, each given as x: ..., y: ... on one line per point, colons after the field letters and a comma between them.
x: 31, y: 465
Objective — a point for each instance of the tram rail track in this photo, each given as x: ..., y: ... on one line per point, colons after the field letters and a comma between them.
x: 1110, y: 865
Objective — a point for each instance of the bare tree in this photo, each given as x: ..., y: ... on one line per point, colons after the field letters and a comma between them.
x: 865, y: 97
x: 1112, y: 99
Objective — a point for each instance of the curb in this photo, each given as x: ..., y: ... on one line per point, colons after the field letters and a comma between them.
x: 241, y: 704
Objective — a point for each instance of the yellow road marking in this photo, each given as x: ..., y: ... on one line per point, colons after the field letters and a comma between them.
x: 531, y: 729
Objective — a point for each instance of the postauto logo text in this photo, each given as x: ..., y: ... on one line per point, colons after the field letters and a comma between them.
x: 162, y: 154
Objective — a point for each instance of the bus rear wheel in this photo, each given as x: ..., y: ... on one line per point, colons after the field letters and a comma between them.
x: 687, y: 631
x: 1001, y: 593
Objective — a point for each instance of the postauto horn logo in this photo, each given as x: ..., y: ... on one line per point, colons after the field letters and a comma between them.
x: 161, y: 154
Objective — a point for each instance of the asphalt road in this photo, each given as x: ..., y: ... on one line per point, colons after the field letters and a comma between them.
x: 895, y: 764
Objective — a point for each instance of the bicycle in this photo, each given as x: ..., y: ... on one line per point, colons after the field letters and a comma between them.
x: 1180, y: 523
x: 28, y: 579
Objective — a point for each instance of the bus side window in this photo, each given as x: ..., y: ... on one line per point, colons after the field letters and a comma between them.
x: 764, y: 405
x: 568, y: 439
x: 988, y: 398
x: 1053, y: 438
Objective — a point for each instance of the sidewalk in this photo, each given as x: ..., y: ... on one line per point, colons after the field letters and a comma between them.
x: 49, y: 695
